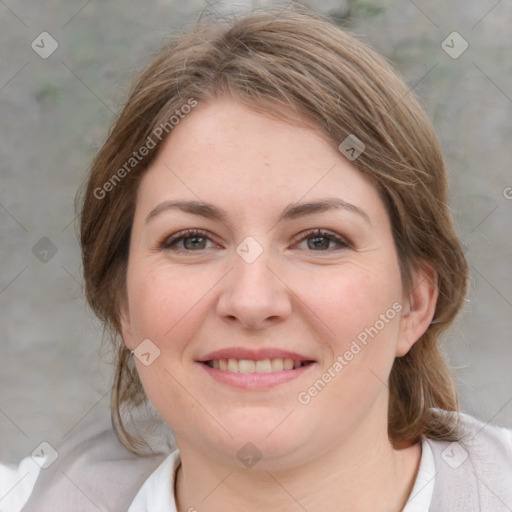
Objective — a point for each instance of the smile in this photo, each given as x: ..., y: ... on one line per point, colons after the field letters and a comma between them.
x: 255, y: 366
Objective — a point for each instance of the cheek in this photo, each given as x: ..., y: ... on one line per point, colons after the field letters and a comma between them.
x: 359, y: 344
x: 360, y: 312
x: 359, y: 307
x: 164, y: 299
x: 165, y: 306
x: 351, y: 298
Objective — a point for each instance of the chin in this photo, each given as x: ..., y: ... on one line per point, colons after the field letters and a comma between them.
x: 272, y: 438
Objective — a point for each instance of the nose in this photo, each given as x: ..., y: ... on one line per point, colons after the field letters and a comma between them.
x: 253, y: 294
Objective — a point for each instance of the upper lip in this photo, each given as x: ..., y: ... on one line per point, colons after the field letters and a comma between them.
x: 253, y: 354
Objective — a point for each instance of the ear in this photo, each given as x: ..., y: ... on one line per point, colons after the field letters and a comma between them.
x: 419, y: 305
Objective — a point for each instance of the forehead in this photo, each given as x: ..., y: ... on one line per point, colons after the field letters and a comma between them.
x: 225, y: 151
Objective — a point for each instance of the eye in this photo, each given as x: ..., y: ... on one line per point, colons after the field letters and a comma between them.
x: 320, y: 240
x: 190, y: 240
x: 194, y: 240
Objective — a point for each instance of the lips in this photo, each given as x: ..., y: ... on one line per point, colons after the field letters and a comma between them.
x: 232, y: 368
x: 254, y: 355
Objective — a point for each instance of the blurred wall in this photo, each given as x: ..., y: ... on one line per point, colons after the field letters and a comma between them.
x: 58, y: 94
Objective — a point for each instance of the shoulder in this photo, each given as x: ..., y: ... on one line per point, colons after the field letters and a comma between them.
x: 92, y: 471
x: 475, y: 470
x: 480, y: 441
x: 484, y: 438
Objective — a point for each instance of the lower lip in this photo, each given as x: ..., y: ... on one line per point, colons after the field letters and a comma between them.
x: 255, y: 380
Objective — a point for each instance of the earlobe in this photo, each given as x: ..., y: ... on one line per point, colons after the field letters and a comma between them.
x: 419, y: 305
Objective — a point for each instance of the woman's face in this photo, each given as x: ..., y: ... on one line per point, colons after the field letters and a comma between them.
x: 293, y: 264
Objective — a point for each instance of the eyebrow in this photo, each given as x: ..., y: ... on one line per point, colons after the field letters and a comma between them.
x: 292, y: 211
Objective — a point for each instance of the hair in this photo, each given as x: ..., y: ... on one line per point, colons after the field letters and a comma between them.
x: 319, y: 76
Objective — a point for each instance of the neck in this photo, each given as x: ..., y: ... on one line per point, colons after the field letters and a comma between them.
x: 354, y: 476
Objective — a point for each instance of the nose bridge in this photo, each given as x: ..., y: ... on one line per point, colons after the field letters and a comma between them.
x: 252, y: 293
x: 252, y: 279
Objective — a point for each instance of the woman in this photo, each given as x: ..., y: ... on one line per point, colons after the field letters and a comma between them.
x: 266, y: 233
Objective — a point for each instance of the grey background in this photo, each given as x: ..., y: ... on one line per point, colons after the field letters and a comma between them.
x: 54, y: 114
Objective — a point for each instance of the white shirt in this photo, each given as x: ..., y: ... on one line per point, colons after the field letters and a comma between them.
x: 17, y: 483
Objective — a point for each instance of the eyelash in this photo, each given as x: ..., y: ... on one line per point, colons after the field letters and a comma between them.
x: 170, y: 241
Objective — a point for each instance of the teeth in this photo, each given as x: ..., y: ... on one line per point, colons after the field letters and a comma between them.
x: 287, y: 364
x: 249, y: 366
x: 277, y: 365
x: 246, y: 366
x: 263, y: 366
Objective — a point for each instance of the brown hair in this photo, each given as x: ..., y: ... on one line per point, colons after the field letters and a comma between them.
x: 322, y: 76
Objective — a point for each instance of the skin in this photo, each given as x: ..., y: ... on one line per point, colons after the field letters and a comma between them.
x: 189, y: 301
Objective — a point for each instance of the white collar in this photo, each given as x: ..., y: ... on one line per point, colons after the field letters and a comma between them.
x: 157, y: 492
x: 423, y: 490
